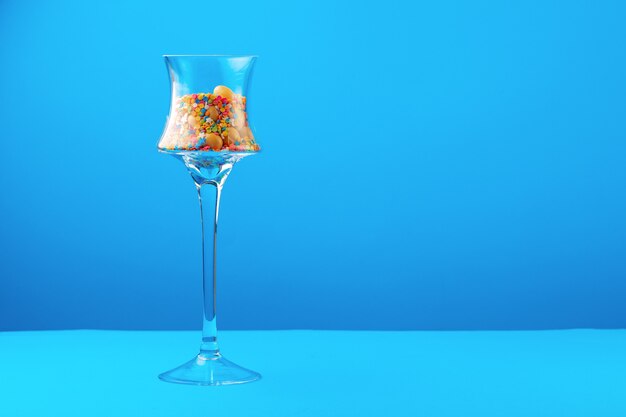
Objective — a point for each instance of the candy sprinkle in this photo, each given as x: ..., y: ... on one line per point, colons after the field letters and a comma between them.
x: 194, y: 116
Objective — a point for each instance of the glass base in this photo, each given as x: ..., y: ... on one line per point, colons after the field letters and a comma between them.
x: 210, y: 370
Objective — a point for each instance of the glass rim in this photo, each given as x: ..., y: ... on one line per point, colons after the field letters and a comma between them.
x: 210, y: 55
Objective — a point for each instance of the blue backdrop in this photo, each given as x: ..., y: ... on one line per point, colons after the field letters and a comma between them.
x: 446, y: 165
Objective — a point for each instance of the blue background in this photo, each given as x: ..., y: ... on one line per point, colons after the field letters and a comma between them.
x: 450, y: 165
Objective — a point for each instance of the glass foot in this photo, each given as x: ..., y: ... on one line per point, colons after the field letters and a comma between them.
x: 209, y: 370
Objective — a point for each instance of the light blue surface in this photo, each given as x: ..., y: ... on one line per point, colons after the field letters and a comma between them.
x: 449, y: 164
x: 320, y: 373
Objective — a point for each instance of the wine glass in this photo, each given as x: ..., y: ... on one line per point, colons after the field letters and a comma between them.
x: 209, y: 131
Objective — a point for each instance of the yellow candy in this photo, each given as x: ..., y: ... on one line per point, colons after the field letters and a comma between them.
x: 231, y: 136
x: 193, y: 121
x: 222, y: 90
x: 213, y: 114
x: 214, y: 141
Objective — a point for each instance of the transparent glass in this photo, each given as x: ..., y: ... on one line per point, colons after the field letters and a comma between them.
x: 209, y: 131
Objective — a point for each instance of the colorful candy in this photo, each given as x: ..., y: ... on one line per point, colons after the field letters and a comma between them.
x: 222, y: 90
x: 209, y: 122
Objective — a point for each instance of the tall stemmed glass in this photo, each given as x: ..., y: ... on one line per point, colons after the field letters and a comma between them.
x: 208, y: 130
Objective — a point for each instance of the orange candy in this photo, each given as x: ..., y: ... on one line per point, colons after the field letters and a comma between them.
x: 231, y: 136
x: 213, y: 114
x: 222, y: 90
x: 214, y: 141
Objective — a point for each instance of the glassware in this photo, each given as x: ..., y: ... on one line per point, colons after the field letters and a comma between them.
x: 208, y: 130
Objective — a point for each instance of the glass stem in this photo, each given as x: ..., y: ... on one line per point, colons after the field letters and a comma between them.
x: 209, y: 192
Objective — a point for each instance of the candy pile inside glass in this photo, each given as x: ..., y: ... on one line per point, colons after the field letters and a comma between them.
x: 205, y: 121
